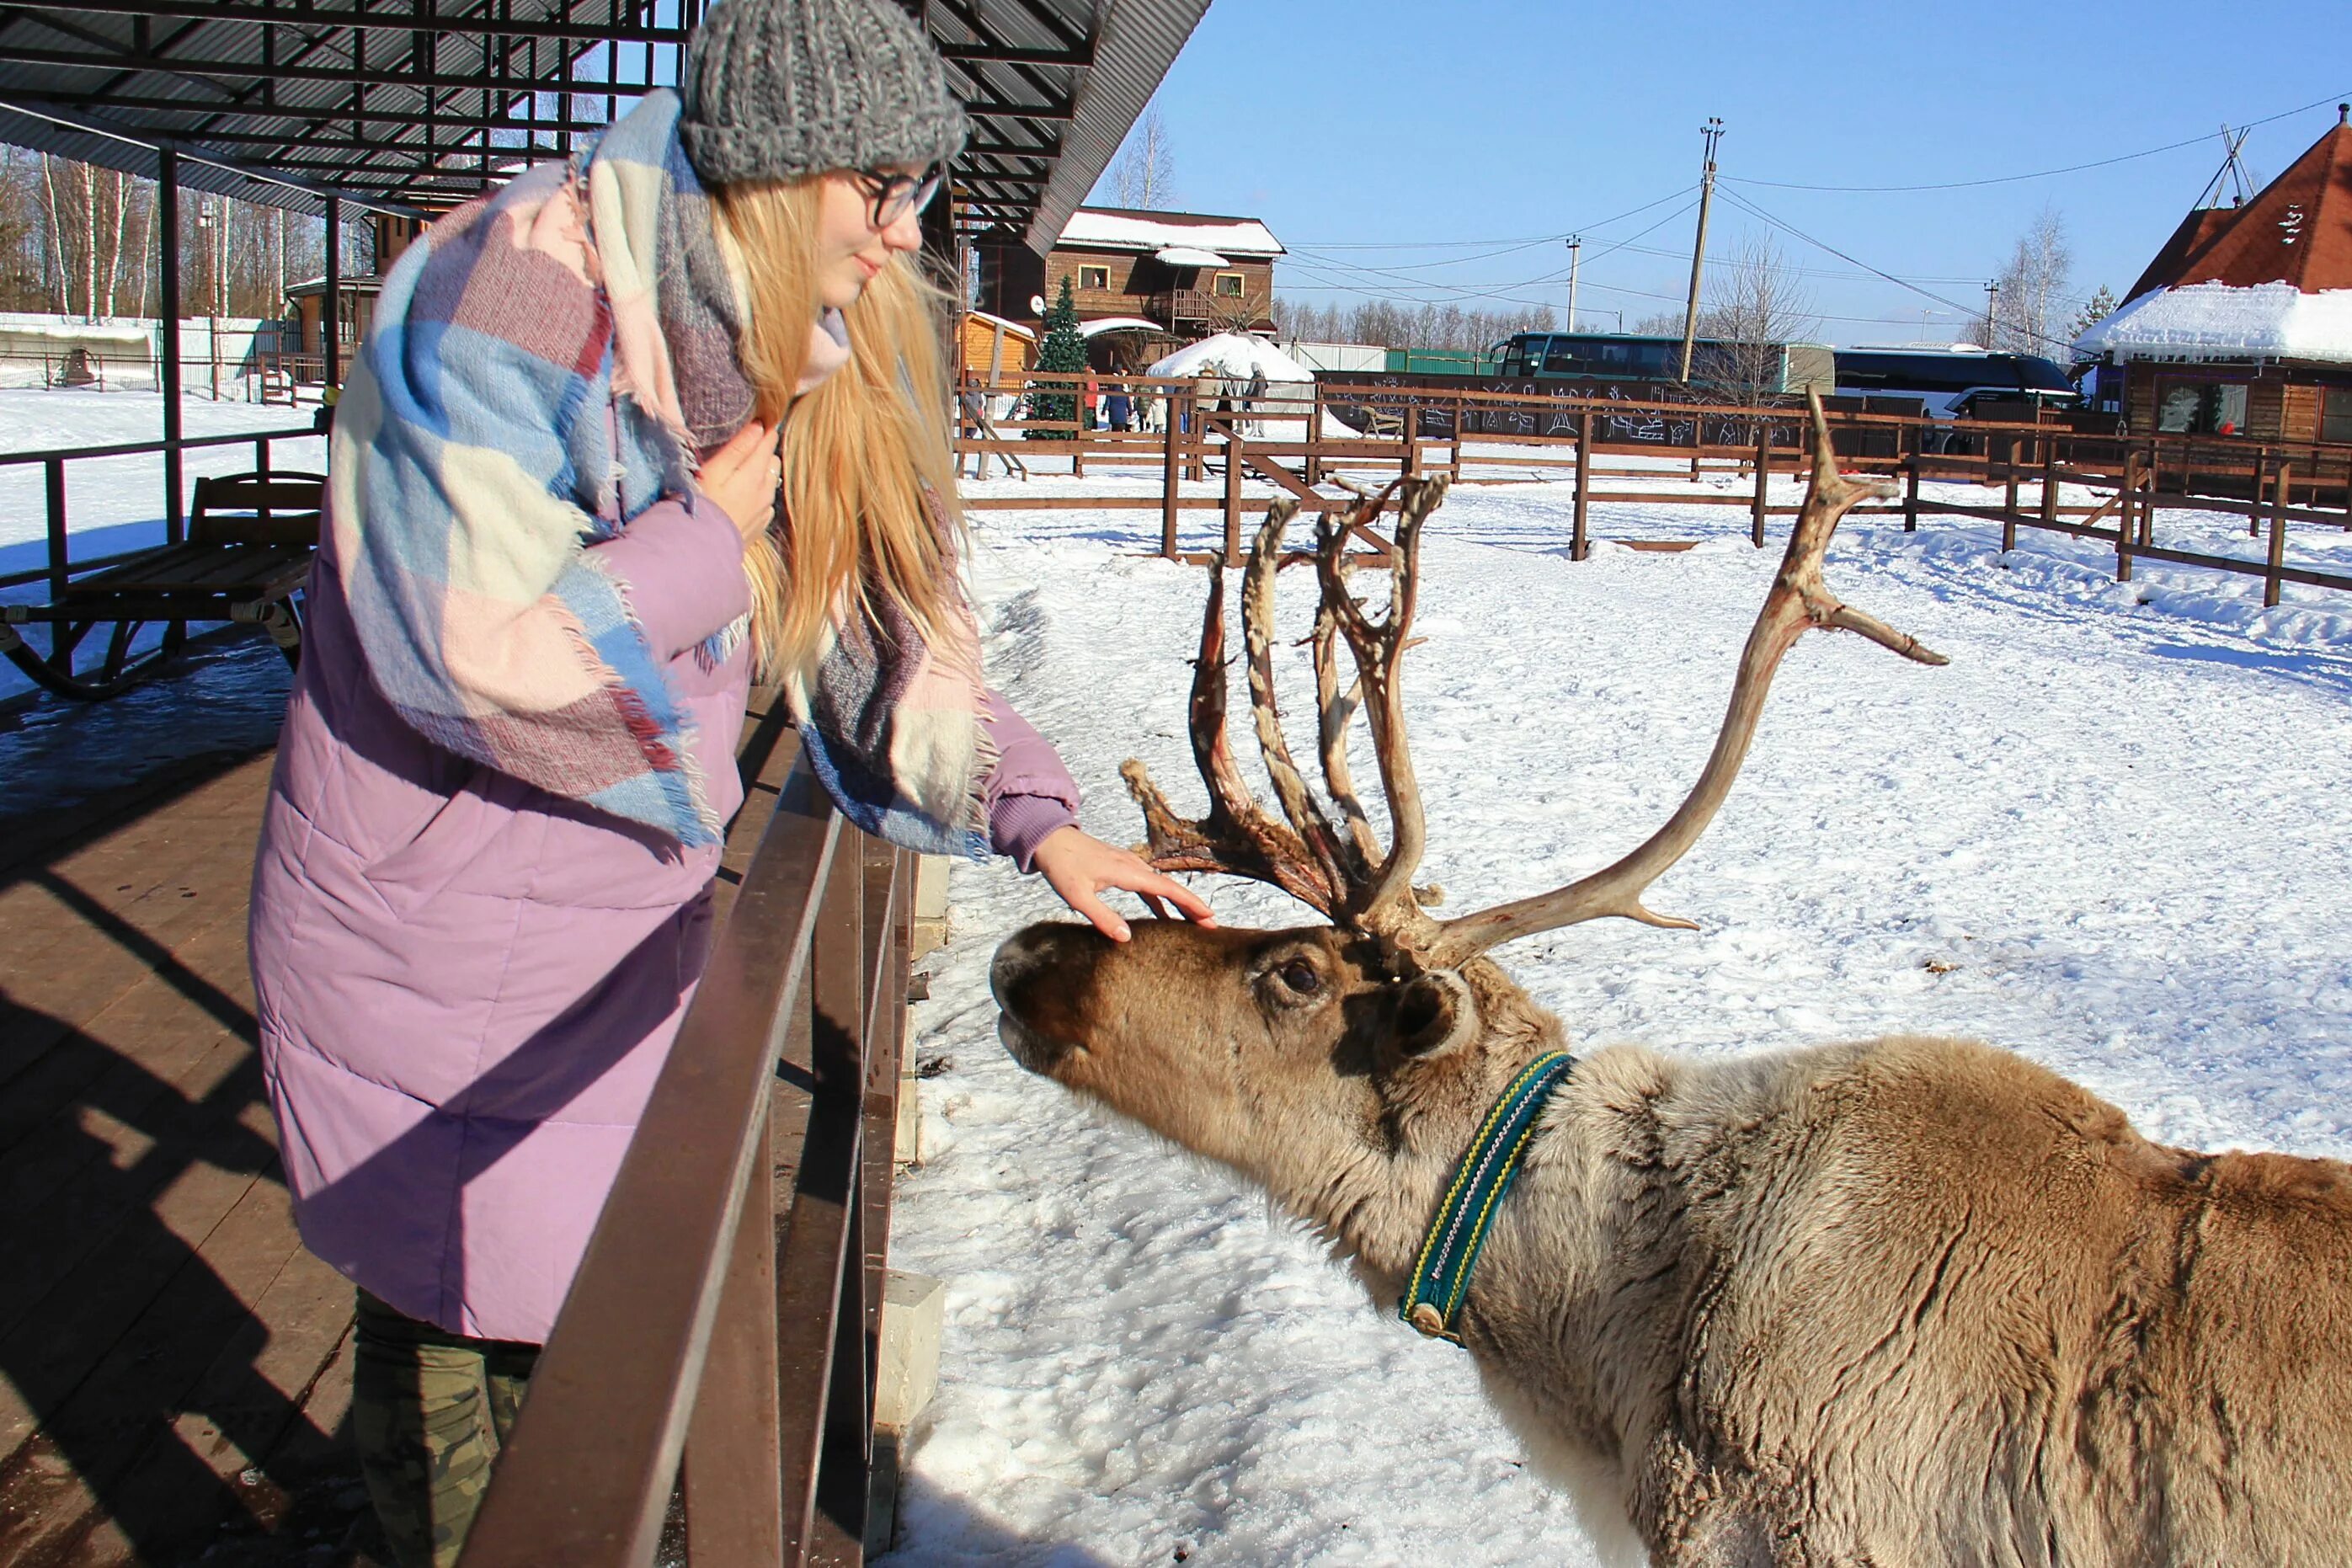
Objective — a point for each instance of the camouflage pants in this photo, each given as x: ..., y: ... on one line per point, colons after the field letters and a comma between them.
x: 429, y: 1409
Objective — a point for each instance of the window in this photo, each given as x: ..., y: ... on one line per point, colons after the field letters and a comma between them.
x: 1094, y: 278
x: 2336, y: 415
x: 1228, y: 286
x: 2200, y: 407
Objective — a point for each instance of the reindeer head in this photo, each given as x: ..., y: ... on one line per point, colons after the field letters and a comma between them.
x: 1330, y: 1059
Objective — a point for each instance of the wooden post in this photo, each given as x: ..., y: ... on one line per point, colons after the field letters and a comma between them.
x: 2049, y: 486
x: 1580, y: 541
x: 2124, y: 505
x: 2009, y: 494
x: 2254, y: 510
x: 1168, y: 488
x: 2278, y: 537
x: 2148, y: 501
x: 1315, y: 435
x: 1196, y: 440
x: 1234, y: 495
x: 1911, y: 493
x: 1763, y: 481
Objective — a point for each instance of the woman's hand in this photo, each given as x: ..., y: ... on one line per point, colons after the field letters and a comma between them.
x: 744, y: 475
x: 1079, y: 868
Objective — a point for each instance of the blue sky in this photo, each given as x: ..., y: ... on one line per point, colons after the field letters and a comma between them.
x: 1363, y: 131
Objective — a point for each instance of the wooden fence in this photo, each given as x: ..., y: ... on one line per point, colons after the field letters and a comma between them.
x: 719, y: 1340
x: 2272, y: 485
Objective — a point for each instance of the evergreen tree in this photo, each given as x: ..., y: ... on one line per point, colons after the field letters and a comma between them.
x: 2102, y: 305
x: 1063, y: 353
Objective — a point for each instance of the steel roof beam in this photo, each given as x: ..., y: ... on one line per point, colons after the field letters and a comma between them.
x: 307, y: 13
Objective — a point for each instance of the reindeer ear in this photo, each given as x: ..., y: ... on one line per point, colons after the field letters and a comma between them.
x: 1435, y: 1013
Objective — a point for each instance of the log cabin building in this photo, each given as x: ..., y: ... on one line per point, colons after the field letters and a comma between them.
x: 1163, y: 276
x: 2243, y: 323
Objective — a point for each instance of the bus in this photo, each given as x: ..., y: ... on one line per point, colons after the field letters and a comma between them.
x: 1631, y: 358
x: 1953, y: 379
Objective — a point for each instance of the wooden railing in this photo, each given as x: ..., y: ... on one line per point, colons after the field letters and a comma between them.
x: 718, y: 1341
x: 1496, y: 437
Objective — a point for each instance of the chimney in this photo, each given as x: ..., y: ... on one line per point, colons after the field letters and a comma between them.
x: 2343, y: 112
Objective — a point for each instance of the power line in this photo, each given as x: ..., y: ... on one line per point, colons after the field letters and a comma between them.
x: 1520, y: 243
x: 2039, y: 173
x: 1789, y: 228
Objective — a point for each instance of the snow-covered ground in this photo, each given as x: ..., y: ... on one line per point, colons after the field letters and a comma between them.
x: 2112, y: 835
x: 114, y: 504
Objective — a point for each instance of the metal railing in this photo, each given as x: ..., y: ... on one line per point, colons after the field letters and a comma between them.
x: 719, y: 1339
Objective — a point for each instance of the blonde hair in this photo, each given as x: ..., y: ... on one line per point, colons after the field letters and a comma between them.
x: 859, y: 449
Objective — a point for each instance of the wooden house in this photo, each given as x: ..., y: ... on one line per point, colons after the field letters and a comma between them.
x: 992, y: 349
x: 1180, y: 275
x: 2243, y: 323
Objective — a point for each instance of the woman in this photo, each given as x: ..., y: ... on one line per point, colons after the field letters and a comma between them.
x: 621, y: 433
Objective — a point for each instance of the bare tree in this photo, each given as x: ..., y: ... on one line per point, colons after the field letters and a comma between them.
x: 1145, y: 174
x: 1761, y: 309
x: 2029, y: 315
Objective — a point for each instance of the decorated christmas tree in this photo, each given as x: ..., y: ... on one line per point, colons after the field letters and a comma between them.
x: 1063, y: 353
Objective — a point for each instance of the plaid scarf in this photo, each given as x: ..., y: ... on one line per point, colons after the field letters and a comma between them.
x: 544, y: 364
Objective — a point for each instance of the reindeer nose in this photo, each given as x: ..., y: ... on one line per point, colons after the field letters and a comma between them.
x: 1041, y: 977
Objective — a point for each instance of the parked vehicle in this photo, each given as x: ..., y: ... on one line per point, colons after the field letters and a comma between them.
x: 1953, y: 380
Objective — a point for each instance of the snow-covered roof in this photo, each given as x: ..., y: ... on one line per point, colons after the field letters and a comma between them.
x: 2271, y: 279
x: 1233, y: 356
x: 1013, y: 329
x: 1111, y: 228
x: 1119, y: 324
x: 2214, y: 320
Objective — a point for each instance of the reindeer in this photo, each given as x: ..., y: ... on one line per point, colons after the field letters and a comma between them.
x: 1908, y: 1301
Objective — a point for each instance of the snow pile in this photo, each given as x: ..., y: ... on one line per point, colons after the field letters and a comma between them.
x: 2112, y: 835
x: 1121, y: 231
x: 1233, y: 356
x: 2216, y: 321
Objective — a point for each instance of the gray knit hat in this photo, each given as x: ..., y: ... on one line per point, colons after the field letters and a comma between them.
x: 776, y: 89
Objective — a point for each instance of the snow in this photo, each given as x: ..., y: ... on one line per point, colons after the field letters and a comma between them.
x: 1233, y: 355
x: 1118, y: 231
x: 2216, y: 321
x: 2112, y: 835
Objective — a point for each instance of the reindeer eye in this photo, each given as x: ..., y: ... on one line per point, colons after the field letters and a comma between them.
x: 1300, y: 977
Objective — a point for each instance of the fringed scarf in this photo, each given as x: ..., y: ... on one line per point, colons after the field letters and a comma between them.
x: 543, y: 365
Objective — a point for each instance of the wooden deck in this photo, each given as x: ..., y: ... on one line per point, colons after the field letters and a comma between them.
x: 174, y: 1367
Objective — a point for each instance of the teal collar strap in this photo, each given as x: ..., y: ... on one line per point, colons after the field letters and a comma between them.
x: 1432, y: 1300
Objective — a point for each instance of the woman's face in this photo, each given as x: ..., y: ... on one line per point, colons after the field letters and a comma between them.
x: 850, y: 250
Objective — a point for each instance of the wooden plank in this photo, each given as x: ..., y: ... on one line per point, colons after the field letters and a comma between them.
x: 99, y: 1421
x: 224, y: 1455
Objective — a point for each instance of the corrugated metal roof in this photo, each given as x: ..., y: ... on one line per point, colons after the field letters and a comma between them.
x: 426, y: 102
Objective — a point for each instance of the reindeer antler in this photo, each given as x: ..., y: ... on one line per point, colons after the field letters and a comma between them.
x: 1342, y: 871
x: 1339, y: 871
x: 1798, y: 602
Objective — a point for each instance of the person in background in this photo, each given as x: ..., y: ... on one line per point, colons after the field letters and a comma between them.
x: 626, y: 433
x: 1121, y: 408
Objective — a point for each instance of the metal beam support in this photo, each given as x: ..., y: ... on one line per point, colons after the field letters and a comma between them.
x: 330, y: 307
x: 306, y: 14
x: 167, y: 333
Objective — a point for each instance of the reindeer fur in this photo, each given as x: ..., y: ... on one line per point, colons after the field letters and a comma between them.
x: 1904, y: 1303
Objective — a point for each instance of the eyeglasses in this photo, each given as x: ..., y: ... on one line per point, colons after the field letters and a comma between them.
x: 895, y: 194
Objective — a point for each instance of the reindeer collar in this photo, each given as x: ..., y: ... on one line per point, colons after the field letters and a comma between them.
x: 1449, y: 1251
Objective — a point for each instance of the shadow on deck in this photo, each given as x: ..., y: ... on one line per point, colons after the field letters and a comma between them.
x: 174, y: 1367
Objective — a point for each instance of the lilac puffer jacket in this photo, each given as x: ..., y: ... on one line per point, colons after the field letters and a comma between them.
x: 468, y: 985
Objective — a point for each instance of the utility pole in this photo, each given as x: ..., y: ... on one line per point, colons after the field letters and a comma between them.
x: 1575, y: 246
x: 1712, y: 132
x: 1992, y: 315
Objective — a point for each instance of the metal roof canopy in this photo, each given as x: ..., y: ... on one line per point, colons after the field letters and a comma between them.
x: 416, y: 105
